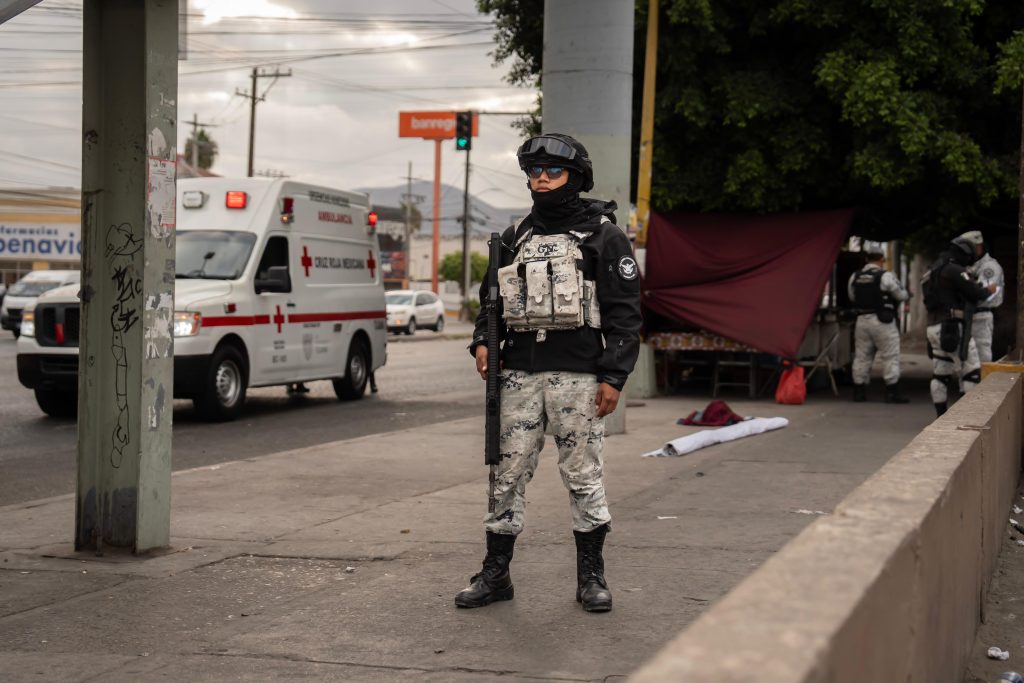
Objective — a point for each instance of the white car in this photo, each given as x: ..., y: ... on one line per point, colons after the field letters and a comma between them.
x: 409, y: 310
x: 24, y: 292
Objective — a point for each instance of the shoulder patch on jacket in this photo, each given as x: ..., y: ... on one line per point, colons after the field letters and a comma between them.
x: 627, y: 268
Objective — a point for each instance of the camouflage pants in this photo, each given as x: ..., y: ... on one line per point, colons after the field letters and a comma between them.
x: 871, y: 335
x: 945, y: 365
x: 529, y: 402
x: 981, y: 331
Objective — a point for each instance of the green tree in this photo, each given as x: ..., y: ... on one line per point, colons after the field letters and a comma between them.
x: 907, y: 109
x: 450, y: 267
x: 520, y: 37
x: 207, y: 149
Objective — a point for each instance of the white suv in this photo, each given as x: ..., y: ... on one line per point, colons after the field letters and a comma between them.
x: 409, y: 310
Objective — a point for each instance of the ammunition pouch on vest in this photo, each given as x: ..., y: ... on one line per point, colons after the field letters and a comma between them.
x: 869, y: 297
x: 543, y: 288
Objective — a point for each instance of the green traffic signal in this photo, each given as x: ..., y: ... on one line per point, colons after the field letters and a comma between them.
x: 463, y: 131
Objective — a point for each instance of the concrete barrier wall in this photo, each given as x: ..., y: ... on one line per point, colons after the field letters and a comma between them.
x: 890, y: 587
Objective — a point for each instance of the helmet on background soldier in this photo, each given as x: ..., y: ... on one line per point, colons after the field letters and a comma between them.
x: 977, y: 242
x: 874, y: 253
x: 964, y: 250
x: 558, y: 149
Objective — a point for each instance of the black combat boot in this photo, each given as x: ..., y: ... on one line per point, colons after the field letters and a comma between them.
x: 860, y: 393
x: 592, y: 589
x: 893, y: 395
x: 940, y: 408
x: 493, y: 583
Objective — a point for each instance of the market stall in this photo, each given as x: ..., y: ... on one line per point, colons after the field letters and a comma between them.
x: 737, y: 292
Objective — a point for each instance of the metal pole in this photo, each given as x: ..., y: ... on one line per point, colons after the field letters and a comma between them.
x: 643, y: 180
x: 467, y: 274
x: 1020, y: 242
x: 408, y: 226
x: 588, y: 93
x: 436, y: 251
x: 252, y: 121
x: 195, y: 142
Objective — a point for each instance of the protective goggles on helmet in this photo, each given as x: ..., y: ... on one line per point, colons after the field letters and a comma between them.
x: 552, y: 147
x: 554, y: 172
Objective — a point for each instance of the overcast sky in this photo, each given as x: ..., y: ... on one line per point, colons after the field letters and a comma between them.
x: 334, y: 121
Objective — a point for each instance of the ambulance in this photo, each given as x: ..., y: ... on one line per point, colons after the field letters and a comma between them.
x: 277, y: 282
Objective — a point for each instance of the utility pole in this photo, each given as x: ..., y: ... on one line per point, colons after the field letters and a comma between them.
x: 408, y: 226
x: 126, y: 373
x: 194, y: 161
x: 467, y: 270
x: 643, y: 181
x: 1020, y: 243
x: 257, y: 74
x: 588, y: 93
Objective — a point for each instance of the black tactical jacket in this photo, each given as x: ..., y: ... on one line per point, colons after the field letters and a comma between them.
x: 611, y: 352
x: 948, y: 286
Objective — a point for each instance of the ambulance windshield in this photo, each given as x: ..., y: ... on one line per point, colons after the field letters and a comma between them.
x: 213, y: 254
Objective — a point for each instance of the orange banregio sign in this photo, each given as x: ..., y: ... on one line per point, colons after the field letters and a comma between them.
x: 431, y: 125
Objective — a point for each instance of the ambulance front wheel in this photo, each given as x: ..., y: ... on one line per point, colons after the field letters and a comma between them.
x: 223, y: 391
x: 410, y: 329
x: 357, y: 372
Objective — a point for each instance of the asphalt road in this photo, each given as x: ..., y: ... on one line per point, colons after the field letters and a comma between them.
x: 426, y: 380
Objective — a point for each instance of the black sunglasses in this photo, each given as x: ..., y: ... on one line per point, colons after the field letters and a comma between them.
x: 554, y: 172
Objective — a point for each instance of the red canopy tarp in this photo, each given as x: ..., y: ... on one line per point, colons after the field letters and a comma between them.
x: 754, y: 279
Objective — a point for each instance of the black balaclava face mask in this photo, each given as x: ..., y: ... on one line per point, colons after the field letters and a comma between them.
x: 560, y: 207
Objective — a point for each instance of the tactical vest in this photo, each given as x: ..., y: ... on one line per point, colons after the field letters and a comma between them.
x: 543, y: 288
x: 869, y: 297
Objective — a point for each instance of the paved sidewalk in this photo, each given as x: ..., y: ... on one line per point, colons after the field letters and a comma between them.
x: 339, y: 562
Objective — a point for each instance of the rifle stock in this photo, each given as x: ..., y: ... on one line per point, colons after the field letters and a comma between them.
x: 492, y: 449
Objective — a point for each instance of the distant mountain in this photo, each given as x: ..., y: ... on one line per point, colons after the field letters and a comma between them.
x: 487, y: 218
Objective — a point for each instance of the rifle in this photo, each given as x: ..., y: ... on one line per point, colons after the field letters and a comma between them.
x: 965, y: 333
x: 492, y: 432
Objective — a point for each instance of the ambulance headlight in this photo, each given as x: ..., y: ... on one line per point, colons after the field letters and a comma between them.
x: 28, y: 324
x: 187, y: 323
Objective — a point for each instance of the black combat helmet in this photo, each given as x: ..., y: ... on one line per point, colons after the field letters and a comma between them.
x: 962, y: 251
x: 558, y: 149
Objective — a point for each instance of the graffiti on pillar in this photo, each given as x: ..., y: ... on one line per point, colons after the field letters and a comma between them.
x: 122, y: 250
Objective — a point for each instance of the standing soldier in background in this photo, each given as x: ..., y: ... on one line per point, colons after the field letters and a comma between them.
x: 570, y: 303
x: 949, y: 290
x: 875, y: 292
x: 988, y: 272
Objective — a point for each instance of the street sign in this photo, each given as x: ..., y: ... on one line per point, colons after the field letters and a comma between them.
x: 430, y: 125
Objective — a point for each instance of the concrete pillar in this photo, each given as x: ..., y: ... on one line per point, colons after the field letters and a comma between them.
x: 588, y: 93
x: 126, y: 370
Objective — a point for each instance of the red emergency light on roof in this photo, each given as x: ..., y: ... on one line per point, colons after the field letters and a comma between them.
x: 235, y: 200
x: 371, y: 219
x: 287, y: 209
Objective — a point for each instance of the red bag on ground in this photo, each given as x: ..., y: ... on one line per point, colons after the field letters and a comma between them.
x: 791, y: 389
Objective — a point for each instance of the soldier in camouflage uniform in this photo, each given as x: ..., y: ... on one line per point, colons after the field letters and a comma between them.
x: 876, y: 292
x: 988, y: 272
x: 570, y: 304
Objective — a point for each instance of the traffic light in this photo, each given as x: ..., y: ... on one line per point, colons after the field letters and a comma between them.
x: 463, y: 130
